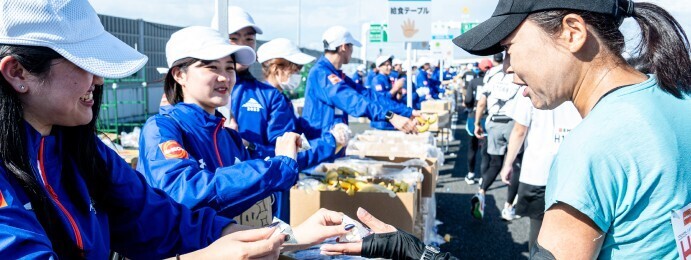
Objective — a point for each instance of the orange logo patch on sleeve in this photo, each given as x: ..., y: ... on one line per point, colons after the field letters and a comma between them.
x: 334, y: 79
x: 3, y: 202
x: 173, y: 150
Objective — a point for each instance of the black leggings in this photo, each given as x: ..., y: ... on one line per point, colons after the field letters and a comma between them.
x: 494, y: 164
x: 535, y: 224
x: 515, y: 176
x: 472, y: 152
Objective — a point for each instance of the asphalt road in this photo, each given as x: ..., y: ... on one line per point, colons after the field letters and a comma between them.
x: 491, y: 238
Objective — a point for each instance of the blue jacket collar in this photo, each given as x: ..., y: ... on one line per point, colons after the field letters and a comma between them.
x: 323, y: 61
x: 192, y: 115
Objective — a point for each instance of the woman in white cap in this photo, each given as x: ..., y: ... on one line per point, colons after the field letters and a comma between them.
x: 188, y: 153
x: 626, y: 166
x: 385, y: 84
x: 281, y: 64
x: 63, y: 193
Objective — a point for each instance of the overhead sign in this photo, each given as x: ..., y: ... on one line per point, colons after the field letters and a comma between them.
x: 420, y: 45
x: 377, y: 33
x: 409, y: 20
x: 465, y: 27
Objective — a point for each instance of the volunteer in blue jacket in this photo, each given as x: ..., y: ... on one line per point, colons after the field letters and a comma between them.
x: 384, y: 83
x: 426, y: 85
x: 265, y: 113
x: 331, y: 96
x: 359, y: 74
x: 63, y: 193
x: 186, y: 151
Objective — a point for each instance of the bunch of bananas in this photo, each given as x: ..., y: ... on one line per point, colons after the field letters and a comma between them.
x: 425, y: 121
x: 344, y: 179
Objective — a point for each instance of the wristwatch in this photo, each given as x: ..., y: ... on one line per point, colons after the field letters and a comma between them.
x: 430, y: 253
x: 389, y: 115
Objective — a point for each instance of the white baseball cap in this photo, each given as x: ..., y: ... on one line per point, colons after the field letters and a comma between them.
x: 396, y: 62
x: 282, y: 48
x: 336, y: 36
x: 205, y: 43
x: 238, y: 18
x: 73, y: 30
x: 361, y: 67
x: 422, y: 61
x: 381, y: 59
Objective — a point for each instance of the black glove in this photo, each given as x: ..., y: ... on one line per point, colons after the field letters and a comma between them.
x: 396, y: 245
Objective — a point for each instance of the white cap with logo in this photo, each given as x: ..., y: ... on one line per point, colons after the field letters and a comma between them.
x: 238, y: 18
x: 397, y: 62
x: 337, y: 36
x: 282, y: 48
x: 73, y: 30
x: 205, y: 43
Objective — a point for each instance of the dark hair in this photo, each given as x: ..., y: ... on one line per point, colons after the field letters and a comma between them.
x: 80, y: 151
x: 171, y: 88
x: 663, y: 49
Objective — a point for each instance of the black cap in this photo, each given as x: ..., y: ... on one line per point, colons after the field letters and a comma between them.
x: 484, y: 38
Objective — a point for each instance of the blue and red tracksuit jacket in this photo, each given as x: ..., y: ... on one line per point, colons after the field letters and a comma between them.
x: 133, y: 219
x: 263, y: 114
x: 187, y: 152
x: 331, y: 96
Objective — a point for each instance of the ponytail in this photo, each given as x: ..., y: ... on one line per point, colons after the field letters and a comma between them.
x: 663, y: 49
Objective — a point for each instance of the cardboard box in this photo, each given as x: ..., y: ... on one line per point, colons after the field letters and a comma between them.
x: 392, y: 137
x: 435, y: 105
x: 430, y: 173
x: 400, y: 211
x: 391, y: 150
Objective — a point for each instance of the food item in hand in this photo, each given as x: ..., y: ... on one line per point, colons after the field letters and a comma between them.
x: 356, y: 233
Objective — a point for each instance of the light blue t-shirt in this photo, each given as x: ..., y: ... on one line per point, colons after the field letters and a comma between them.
x: 626, y: 166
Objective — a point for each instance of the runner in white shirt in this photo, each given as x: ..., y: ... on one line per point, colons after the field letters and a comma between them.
x: 540, y: 132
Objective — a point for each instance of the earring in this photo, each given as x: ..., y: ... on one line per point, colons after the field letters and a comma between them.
x: 21, y: 86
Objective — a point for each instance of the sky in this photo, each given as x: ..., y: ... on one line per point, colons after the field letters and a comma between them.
x: 279, y: 18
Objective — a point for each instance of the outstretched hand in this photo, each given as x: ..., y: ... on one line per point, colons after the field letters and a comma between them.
x: 355, y: 248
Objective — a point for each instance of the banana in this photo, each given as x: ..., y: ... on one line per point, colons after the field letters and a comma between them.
x: 403, y: 186
x: 345, y: 185
x: 348, y: 171
x: 331, y: 175
x: 351, y: 191
x: 422, y: 128
x: 369, y: 187
x: 422, y: 120
x: 433, y: 118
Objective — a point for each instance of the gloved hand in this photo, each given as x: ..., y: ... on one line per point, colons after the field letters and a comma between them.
x: 342, y: 134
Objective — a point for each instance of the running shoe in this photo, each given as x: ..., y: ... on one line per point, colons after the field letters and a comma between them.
x: 470, y: 178
x: 478, y: 206
x: 509, y: 213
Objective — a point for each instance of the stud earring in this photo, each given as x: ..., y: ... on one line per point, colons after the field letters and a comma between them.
x: 21, y: 86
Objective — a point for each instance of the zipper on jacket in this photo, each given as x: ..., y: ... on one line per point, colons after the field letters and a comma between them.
x: 218, y: 154
x: 77, y: 234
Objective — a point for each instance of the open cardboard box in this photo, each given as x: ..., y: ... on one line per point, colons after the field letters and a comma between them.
x: 400, y: 211
x: 423, y: 138
x: 435, y: 106
x: 392, y: 150
x: 430, y: 173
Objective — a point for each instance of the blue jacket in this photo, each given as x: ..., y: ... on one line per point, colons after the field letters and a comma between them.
x: 263, y: 114
x: 358, y: 79
x: 382, y: 84
x: 330, y: 97
x: 368, y: 80
x: 424, y: 80
x: 190, y: 155
x: 134, y: 219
